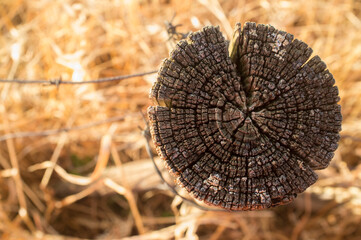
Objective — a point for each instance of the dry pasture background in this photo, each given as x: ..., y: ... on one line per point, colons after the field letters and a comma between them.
x: 96, y: 181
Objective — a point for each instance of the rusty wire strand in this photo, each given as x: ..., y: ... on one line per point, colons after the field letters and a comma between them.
x: 60, y: 130
x: 59, y: 81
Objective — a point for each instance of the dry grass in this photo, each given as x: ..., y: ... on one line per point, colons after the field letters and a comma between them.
x: 98, y: 182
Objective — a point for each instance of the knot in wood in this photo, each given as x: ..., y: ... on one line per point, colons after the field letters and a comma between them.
x: 244, y: 125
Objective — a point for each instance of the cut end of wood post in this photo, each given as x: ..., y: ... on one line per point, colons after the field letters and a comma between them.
x: 244, y: 127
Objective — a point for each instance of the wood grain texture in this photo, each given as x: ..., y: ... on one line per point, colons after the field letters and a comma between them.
x: 243, y: 125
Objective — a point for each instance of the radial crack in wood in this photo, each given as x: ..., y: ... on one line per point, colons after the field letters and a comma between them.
x: 244, y: 128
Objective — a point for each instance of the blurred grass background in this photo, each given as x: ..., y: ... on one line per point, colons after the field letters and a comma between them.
x: 97, y: 181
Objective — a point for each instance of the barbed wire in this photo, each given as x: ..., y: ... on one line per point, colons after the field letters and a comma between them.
x: 59, y: 81
x: 60, y: 130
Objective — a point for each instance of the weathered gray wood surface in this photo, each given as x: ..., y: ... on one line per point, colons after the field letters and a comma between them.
x: 245, y: 130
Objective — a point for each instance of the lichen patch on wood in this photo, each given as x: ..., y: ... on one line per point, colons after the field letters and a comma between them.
x: 244, y: 126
